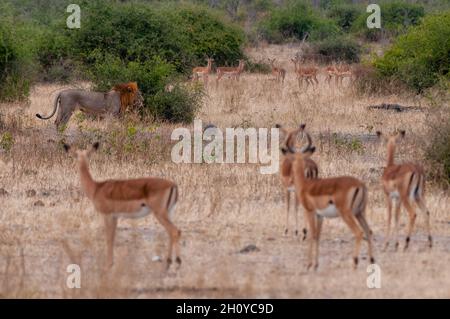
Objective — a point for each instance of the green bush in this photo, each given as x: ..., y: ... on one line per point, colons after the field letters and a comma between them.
x: 421, y: 58
x: 339, y: 49
x: 182, y: 35
x: 15, y: 61
x: 179, y: 105
x: 296, y: 20
x: 396, y: 17
x: 345, y: 15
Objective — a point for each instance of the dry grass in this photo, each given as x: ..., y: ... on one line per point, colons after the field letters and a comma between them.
x: 222, y: 207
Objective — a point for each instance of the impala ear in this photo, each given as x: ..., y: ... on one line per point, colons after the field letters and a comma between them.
x: 66, y: 147
x: 312, y: 150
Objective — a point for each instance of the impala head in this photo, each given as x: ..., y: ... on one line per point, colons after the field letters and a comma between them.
x: 392, y: 138
x: 300, y: 153
x: 290, y: 135
x: 391, y: 143
x: 82, y: 154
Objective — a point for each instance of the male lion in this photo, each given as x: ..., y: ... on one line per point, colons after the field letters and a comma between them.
x: 97, y: 103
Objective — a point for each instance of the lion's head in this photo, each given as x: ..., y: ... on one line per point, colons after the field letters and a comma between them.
x: 128, y: 93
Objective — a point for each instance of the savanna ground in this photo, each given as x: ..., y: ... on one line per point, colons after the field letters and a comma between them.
x: 47, y: 223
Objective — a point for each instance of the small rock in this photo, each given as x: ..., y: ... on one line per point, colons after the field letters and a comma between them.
x: 271, y: 239
x: 39, y: 203
x: 31, y: 193
x: 248, y: 249
x: 3, y: 192
x: 45, y: 193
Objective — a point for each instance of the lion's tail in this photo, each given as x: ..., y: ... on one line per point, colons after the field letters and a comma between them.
x: 55, y: 107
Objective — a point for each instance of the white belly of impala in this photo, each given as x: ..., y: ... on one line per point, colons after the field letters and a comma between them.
x: 394, y: 195
x: 144, y: 211
x: 329, y: 212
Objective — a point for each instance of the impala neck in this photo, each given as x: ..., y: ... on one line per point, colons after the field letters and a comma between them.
x: 87, y: 183
x: 390, y: 153
x: 299, y: 171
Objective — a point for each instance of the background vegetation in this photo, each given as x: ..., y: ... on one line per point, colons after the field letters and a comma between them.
x: 158, y: 42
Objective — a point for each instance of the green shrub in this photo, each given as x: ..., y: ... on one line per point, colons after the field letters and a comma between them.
x: 296, y: 20
x: 182, y: 35
x: 396, y: 17
x: 179, y: 105
x: 345, y: 15
x: 339, y: 49
x: 15, y: 73
x: 421, y: 58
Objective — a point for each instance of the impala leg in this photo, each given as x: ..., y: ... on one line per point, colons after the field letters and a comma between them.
x: 296, y: 214
x: 368, y: 232
x: 174, y: 236
x: 424, y: 209
x: 288, y: 197
x: 350, y: 221
x: 388, y: 226
x: 110, y: 230
x: 316, y: 80
x: 412, y: 219
x: 317, y: 240
x: 397, y: 220
x: 312, y: 228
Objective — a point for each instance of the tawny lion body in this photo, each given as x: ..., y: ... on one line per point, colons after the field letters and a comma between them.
x: 287, y: 174
x: 403, y: 184
x: 344, y: 197
x: 134, y: 198
x: 96, y: 103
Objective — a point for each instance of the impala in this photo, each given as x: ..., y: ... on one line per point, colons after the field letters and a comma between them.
x: 343, y: 71
x: 279, y: 73
x: 321, y: 198
x: 232, y: 72
x: 309, y: 74
x: 202, y: 71
x: 331, y: 72
x: 131, y: 198
x: 403, y: 184
x: 287, y: 176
